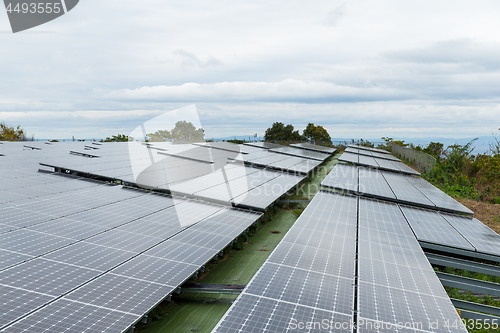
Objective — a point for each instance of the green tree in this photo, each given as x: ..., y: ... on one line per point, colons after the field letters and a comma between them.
x: 434, y: 148
x: 389, y: 141
x: 159, y: 136
x: 495, y: 145
x: 183, y: 131
x: 317, y: 135
x: 279, y: 133
x: 118, y: 138
x: 10, y: 133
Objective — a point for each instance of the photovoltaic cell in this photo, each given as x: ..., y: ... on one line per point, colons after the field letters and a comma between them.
x: 349, y: 157
x: 477, y: 233
x: 309, y: 146
x: 46, y: 277
x: 68, y: 316
x: 405, y: 191
x: 310, y: 273
x: 121, y: 293
x: 396, y: 282
x: 391, y: 186
x: 257, y: 314
x: 372, y: 183
x: 431, y: 227
x: 157, y: 270
x: 89, y: 255
x: 31, y: 243
x: 15, y: 303
x: 438, y: 197
x: 343, y: 177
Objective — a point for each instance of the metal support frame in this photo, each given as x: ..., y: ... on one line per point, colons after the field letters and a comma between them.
x: 464, y: 283
x: 440, y: 260
x: 459, y: 252
x: 458, y: 303
x: 481, y: 316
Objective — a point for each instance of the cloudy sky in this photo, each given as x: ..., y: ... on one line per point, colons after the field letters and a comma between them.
x: 359, y: 68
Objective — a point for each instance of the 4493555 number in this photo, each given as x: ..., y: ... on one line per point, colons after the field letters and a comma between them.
x: 39, y: 7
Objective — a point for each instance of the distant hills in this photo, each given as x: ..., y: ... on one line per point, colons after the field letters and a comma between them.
x: 480, y: 146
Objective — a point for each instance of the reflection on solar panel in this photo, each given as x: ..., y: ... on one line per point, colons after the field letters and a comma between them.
x: 311, y: 275
x: 477, y: 233
x: 301, y: 153
x: 96, y: 257
x: 371, y: 153
x: 263, y: 145
x: 194, y: 174
x: 342, y: 177
x: 430, y: 226
x: 371, y: 149
x: 309, y: 146
x: 391, y: 186
x: 376, y: 162
x: 396, y: 283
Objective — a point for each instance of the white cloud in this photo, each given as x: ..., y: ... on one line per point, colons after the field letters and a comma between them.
x: 286, y: 90
x: 388, y: 66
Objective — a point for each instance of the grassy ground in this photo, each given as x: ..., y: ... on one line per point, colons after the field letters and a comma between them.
x: 201, y: 312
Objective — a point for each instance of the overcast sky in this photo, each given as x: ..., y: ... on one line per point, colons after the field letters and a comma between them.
x: 359, y: 68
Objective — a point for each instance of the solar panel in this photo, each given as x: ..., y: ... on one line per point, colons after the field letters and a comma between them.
x: 371, y: 149
x: 312, y: 268
x: 372, y: 183
x: 104, y: 258
x: 258, y: 314
x: 349, y: 157
x: 301, y: 153
x: 313, y: 147
x: 16, y: 302
x: 90, y: 255
x: 66, y: 316
x: 378, y: 155
x: 391, y: 186
x: 46, y: 276
x: 477, y: 233
x: 438, y: 197
x: 405, y: 191
x: 9, y: 258
x: 431, y: 227
x: 264, y: 145
x: 395, y: 282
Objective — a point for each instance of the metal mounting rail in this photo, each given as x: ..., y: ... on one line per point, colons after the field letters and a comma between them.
x: 458, y: 303
x: 441, y: 260
x: 458, y: 252
x: 465, y: 283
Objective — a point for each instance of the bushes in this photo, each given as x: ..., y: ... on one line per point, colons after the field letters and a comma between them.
x: 460, y: 173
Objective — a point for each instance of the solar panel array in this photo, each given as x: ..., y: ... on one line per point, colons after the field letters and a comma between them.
x: 314, y: 155
x: 372, y: 154
x: 270, y: 160
x: 264, y: 145
x: 85, y: 256
x: 124, y: 257
x: 397, y: 285
x: 313, y: 147
x: 391, y: 186
x: 195, y: 170
x: 379, y: 163
x: 311, y: 279
x: 377, y: 150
